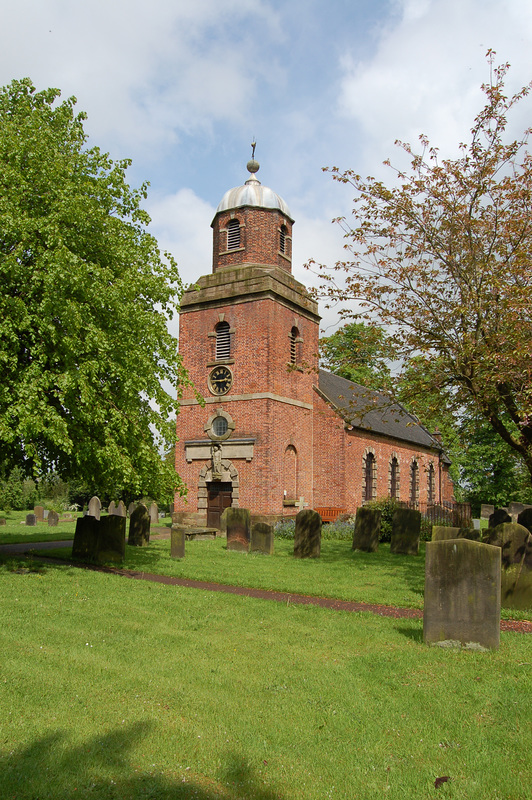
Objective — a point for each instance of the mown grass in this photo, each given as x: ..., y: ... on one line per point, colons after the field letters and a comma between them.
x: 112, y: 688
x: 15, y: 530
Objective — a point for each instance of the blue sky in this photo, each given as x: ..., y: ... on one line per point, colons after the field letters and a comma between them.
x: 182, y: 88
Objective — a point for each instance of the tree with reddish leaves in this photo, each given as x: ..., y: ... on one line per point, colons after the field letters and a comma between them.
x: 442, y: 259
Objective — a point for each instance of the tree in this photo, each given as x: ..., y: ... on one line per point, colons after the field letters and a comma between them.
x: 442, y: 259
x: 85, y: 300
x: 360, y: 353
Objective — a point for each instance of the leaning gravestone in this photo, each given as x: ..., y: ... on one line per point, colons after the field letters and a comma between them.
x: 139, y: 527
x: 177, y: 540
x: 53, y: 519
x: 39, y: 513
x: 154, y: 514
x: 307, y: 535
x: 515, y: 542
x: 111, y: 539
x: 238, y: 529
x: 31, y: 519
x: 367, y: 530
x: 85, y: 538
x: 406, y: 529
x: 261, y: 538
x: 95, y: 507
x: 499, y: 516
x: 462, y: 594
x: 121, y: 509
x: 486, y: 511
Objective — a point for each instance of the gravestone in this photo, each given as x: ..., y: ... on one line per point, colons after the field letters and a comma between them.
x: 441, y: 533
x: 525, y: 518
x: 514, y: 509
x: 177, y: 541
x: 130, y: 509
x: 39, y: 513
x: 499, y: 516
x: 53, y: 519
x: 223, y: 521
x: 31, y: 520
x: 85, y: 538
x: 121, y: 509
x: 238, y: 529
x: 406, y: 529
x: 462, y: 594
x: 486, y: 511
x: 307, y: 535
x: 112, y: 508
x: 515, y: 542
x: 367, y: 530
x: 139, y: 527
x: 95, y: 507
x: 154, y: 514
x: 111, y: 539
x: 261, y: 538
x: 2, y: 521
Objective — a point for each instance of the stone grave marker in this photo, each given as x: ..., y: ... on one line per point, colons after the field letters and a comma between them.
x: 525, y: 518
x: 515, y: 542
x: 3, y: 521
x: 238, y: 529
x: 462, y: 594
x: 31, y: 519
x: 499, y: 516
x: 261, y: 538
x: 177, y: 540
x: 139, y: 527
x: 130, y: 509
x: 111, y: 539
x: 367, y: 530
x: 112, y: 508
x: 95, y: 507
x: 441, y: 533
x: 486, y: 511
x: 85, y: 538
x: 514, y: 509
x: 154, y: 514
x: 121, y: 509
x: 307, y: 536
x: 53, y: 519
x: 406, y: 529
x: 39, y: 513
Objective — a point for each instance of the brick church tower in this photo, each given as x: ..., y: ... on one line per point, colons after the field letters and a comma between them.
x: 249, y: 339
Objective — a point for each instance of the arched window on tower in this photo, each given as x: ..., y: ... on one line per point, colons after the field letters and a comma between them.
x: 414, y: 482
x: 369, y: 477
x: 223, y: 341
x: 294, y: 342
x: 233, y: 234
x: 282, y: 238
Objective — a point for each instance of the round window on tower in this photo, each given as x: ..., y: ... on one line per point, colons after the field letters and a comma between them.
x: 220, y: 426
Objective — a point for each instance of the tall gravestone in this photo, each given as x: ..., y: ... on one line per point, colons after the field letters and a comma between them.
x: 177, y: 540
x: 486, y: 511
x: 515, y: 542
x: 130, y: 509
x: 111, y: 539
x: 154, y: 514
x: 307, y: 535
x: 121, y: 509
x: 261, y: 538
x: 95, y: 507
x: 499, y: 516
x: 406, y: 529
x: 85, y: 544
x: 53, y: 519
x: 238, y: 529
x: 367, y: 530
x: 462, y: 594
x: 31, y: 520
x: 139, y: 527
x: 39, y: 513
x: 112, y: 508
x: 514, y: 509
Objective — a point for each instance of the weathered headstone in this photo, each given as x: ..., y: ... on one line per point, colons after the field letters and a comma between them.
x: 2, y: 521
x: 499, y: 516
x: 307, y: 535
x: 486, y: 511
x: 525, y: 518
x: 367, y: 530
x: 514, y: 509
x: 95, y: 507
x: 461, y: 515
x: 261, y: 538
x: 223, y: 521
x: 111, y: 508
x: 154, y: 514
x: 39, y: 513
x: 441, y: 533
x: 53, y: 519
x: 130, y: 509
x: 515, y: 542
x: 111, y: 539
x: 462, y: 594
x: 406, y: 529
x: 139, y: 527
x: 31, y: 519
x: 86, y: 538
x: 177, y: 541
x: 121, y: 509
x: 238, y: 529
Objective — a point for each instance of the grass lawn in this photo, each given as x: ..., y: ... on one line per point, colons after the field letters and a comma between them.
x: 15, y: 530
x: 112, y: 688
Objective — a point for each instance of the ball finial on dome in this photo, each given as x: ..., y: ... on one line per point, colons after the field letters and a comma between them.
x: 252, y: 165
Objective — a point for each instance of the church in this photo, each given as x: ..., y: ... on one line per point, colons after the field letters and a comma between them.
x: 275, y: 433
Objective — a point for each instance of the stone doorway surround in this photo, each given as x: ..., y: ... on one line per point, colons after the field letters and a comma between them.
x: 229, y: 474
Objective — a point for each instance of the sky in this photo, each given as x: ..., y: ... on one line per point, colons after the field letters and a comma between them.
x: 183, y: 88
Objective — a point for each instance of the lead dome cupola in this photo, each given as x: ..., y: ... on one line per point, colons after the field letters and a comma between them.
x: 253, y: 194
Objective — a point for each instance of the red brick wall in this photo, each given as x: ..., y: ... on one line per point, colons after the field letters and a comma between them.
x: 259, y: 238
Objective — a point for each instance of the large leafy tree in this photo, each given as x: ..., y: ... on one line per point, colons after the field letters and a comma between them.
x: 84, y: 303
x: 360, y: 353
x: 442, y: 259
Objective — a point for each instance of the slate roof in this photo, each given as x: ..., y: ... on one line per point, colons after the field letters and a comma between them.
x: 373, y: 411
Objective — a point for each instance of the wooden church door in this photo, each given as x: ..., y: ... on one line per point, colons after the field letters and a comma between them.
x: 219, y: 496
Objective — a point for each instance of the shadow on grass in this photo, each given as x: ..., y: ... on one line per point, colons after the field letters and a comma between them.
x: 102, y: 768
x: 416, y: 634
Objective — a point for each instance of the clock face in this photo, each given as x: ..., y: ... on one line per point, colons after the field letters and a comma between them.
x: 220, y: 380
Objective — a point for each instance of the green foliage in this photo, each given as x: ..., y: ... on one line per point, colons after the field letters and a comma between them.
x: 340, y: 531
x: 17, y: 492
x: 386, y: 505
x: 359, y: 353
x: 86, y: 298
